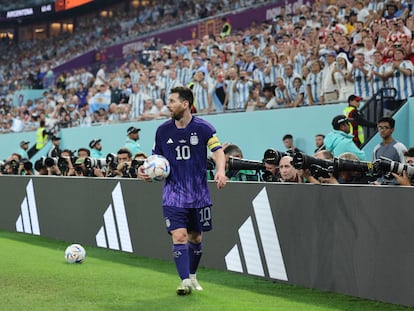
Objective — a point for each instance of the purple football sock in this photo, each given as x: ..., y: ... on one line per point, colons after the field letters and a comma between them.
x: 194, y: 254
x: 180, y: 253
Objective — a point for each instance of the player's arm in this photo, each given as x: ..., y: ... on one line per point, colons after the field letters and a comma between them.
x: 219, y: 159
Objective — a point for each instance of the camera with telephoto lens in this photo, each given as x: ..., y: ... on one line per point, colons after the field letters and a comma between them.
x: 63, y: 164
x: 111, y: 164
x: 384, y: 166
x: 111, y: 161
x: 270, y: 156
x: 323, y: 168
x: 131, y: 171
x: 236, y: 164
x: 91, y: 163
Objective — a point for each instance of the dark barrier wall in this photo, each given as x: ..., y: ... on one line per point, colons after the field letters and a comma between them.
x: 355, y: 240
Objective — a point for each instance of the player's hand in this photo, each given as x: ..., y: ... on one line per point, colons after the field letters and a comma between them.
x: 142, y: 175
x: 220, y: 180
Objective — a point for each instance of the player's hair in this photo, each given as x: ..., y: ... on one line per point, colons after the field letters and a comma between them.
x: 184, y: 93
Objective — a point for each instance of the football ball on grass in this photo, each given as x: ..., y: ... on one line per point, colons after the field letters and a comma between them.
x: 75, y: 253
x: 157, y: 167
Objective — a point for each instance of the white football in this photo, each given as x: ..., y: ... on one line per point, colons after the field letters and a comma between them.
x: 75, y: 253
x: 157, y: 167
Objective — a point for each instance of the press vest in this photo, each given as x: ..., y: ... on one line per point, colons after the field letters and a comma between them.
x: 41, y: 139
x: 360, y: 130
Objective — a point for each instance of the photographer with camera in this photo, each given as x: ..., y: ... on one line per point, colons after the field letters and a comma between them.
x: 86, y: 166
x: 345, y: 169
x: 123, y: 166
x: 271, y: 164
x: 405, y: 179
x: 348, y: 176
x: 234, y: 151
x: 288, y: 173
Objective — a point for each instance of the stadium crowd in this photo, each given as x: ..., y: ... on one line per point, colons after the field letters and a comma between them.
x: 312, y: 56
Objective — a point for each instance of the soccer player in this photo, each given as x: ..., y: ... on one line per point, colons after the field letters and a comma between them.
x: 184, y: 140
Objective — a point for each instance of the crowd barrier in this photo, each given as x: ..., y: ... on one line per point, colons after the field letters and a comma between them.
x: 354, y: 240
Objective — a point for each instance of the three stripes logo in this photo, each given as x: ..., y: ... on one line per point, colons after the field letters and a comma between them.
x: 250, y: 249
x: 114, y: 234
x: 28, y: 221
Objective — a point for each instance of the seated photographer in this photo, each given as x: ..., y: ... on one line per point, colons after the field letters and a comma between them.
x: 312, y: 175
x: 342, y: 176
x: 287, y: 171
x: 124, y: 167
x: 66, y: 165
x: 271, y: 164
x: 407, y: 176
x: 82, y: 167
x: 234, y: 151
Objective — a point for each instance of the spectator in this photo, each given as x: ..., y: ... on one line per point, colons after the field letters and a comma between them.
x: 101, y: 78
x: 136, y: 102
x: 340, y: 140
x: 401, y: 76
x: 379, y: 76
x: 341, y: 71
x: 314, y: 83
x: 329, y: 91
x: 360, y: 77
x: 282, y: 95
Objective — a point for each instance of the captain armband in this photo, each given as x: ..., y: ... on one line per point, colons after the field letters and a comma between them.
x: 213, y: 143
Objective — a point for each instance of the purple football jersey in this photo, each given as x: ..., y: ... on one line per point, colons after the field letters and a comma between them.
x: 186, y: 150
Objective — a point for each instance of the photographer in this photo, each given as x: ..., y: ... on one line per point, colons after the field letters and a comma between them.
x: 288, y: 173
x: 238, y: 175
x: 271, y: 164
x: 405, y: 179
x: 344, y: 176
x: 66, y: 163
x: 125, y: 167
x: 345, y: 169
x: 86, y: 166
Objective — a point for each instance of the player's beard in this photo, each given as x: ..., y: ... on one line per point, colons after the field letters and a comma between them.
x: 177, y: 115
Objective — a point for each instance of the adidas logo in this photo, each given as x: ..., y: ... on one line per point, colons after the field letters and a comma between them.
x: 115, y: 231
x: 269, y: 239
x: 28, y: 221
x: 170, y: 141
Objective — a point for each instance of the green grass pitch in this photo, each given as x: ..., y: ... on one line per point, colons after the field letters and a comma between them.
x: 35, y: 276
